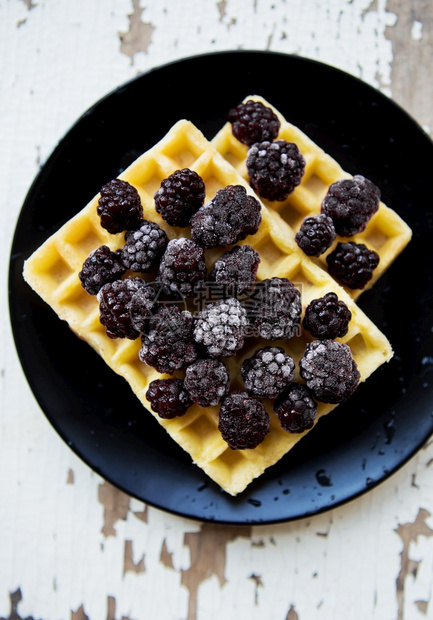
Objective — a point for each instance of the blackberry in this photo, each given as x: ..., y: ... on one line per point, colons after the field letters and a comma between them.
x: 327, y: 317
x: 168, y: 398
x: 144, y: 247
x: 351, y: 203
x: 180, y: 196
x: 207, y: 382
x: 119, y: 207
x: 352, y: 264
x: 168, y: 343
x: 275, y: 168
x: 228, y: 218
x: 100, y: 267
x: 267, y: 372
x: 236, y: 270
x: 253, y: 122
x: 182, y: 270
x: 221, y: 327
x: 125, y: 306
x: 296, y: 408
x: 274, y: 308
x: 243, y: 421
x: 329, y: 370
x: 316, y: 234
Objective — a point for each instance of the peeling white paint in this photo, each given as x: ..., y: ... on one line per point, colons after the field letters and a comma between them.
x: 416, y: 31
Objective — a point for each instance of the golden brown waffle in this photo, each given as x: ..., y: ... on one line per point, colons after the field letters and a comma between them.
x: 386, y: 233
x: 53, y: 270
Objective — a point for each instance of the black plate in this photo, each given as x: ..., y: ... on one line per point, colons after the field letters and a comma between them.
x: 362, y: 442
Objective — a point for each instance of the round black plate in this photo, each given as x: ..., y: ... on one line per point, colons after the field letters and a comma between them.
x: 362, y: 442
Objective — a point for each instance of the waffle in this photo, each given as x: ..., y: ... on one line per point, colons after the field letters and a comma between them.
x: 386, y: 233
x: 52, y: 271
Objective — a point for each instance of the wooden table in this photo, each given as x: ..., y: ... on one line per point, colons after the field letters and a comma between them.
x: 71, y: 545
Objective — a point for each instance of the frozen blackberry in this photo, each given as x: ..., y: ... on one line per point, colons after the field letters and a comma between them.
x: 352, y: 264
x: 243, y: 421
x: 351, y: 203
x: 119, y: 207
x: 296, y: 408
x: 316, y: 234
x: 274, y: 308
x: 180, y: 196
x: 144, y: 247
x: 329, y: 370
x: 221, y: 327
x: 168, y: 398
x: 236, y: 270
x: 207, y: 382
x: 125, y: 306
x: 100, y: 267
x: 168, y: 344
x: 327, y: 317
x: 267, y: 372
x: 253, y: 122
x: 228, y: 218
x: 275, y: 168
x: 182, y: 270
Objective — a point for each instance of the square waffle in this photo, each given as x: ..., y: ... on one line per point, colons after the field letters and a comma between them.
x: 52, y: 271
x: 386, y: 233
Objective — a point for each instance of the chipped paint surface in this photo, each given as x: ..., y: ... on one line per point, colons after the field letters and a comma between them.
x: 71, y: 545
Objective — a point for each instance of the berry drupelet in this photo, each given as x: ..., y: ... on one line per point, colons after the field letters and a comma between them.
x: 267, y: 372
x: 274, y: 308
x: 182, y: 270
x: 229, y: 217
x: 236, y: 270
x: 207, y: 382
x: 296, y: 408
x: 327, y: 317
x: 243, y: 421
x: 352, y: 264
x: 316, y: 234
x: 253, y: 122
x: 119, y: 207
x: 168, y: 398
x: 168, y: 343
x: 100, y: 267
x: 144, y: 247
x: 180, y: 196
x: 221, y: 327
x: 275, y: 169
x: 351, y: 203
x: 329, y: 370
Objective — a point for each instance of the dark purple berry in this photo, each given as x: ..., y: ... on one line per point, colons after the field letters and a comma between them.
x: 267, y: 372
x: 274, y: 308
x: 229, y: 217
x: 329, y: 370
x: 100, y: 267
x: 351, y: 203
x: 180, y: 196
x: 168, y: 344
x: 207, y: 382
x: 236, y: 270
x: 243, y: 421
x: 253, y: 122
x: 168, y: 398
x: 182, y: 270
x: 144, y: 247
x: 296, y: 408
x: 119, y: 207
x: 316, y: 234
x: 327, y: 317
x: 275, y: 168
x: 221, y: 326
x: 352, y: 264
x: 125, y: 306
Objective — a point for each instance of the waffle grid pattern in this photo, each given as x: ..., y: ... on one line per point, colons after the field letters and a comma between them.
x: 386, y: 233
x: 52, y: 271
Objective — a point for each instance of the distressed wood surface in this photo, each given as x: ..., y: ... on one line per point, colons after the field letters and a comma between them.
x: 71, y: 545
